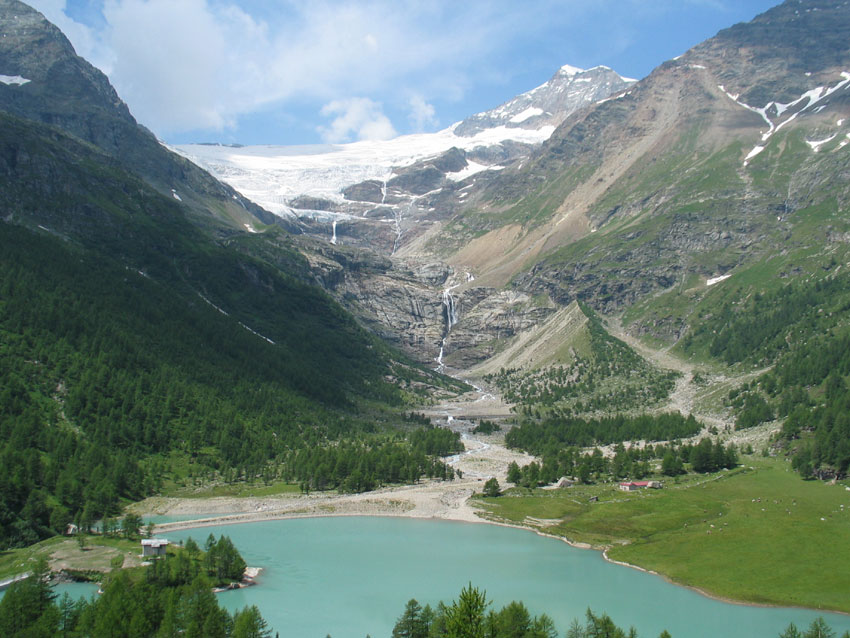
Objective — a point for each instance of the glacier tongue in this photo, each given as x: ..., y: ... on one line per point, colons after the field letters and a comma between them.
x: 273, y: 175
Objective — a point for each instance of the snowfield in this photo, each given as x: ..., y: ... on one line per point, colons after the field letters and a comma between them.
x: 273, y: 175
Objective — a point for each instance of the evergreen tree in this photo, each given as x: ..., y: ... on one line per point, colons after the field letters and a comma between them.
x: 491, y: 488
x: 411, y: 624
x: 28, y: 605
x: 514, y: 474
x: 465, y: 617
x: 248, y: 623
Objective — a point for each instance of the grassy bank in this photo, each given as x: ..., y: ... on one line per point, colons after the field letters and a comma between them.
x: 758, y: 534
x: 98, y: 554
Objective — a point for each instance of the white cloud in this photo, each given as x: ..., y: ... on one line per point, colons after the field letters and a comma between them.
x: 200, y: 64
x: 190, y: 65
x: 356, y: 118
x: 422, y: 115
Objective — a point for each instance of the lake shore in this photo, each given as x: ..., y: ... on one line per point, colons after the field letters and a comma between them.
x: 440, y: 500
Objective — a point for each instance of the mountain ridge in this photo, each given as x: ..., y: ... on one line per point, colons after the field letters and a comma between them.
x: 66, y: 91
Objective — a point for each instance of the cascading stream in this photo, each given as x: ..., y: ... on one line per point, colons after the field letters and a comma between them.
x: 451, y: 319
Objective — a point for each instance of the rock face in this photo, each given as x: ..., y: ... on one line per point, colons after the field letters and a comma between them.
x: 369, y: 191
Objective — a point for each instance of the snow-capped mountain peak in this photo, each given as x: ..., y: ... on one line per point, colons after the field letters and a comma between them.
x: 568, y: 90
x: 274, y: 177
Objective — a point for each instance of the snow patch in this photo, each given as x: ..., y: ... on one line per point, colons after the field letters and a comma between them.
x: 696, y: 66
x: 806, y: 101
x: 752, y: 154
x: 175, y: 195
x: 816, y: 144
x: 472, y: 168
x: 530, y: 112
x: 716, y: 280
x: 250, y: 228
x: 13, y: 79
x: 619, y: 96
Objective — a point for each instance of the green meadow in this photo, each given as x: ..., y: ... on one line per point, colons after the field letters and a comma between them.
x: 757, y: 534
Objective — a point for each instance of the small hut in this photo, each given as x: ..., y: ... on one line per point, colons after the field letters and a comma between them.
x: 154, y: 546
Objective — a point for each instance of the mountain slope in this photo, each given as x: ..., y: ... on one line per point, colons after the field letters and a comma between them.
x: 721, y: 175
x: 59, y: 88
x: 383, y: 194
x: 144, y: 337
x: 661, y: 186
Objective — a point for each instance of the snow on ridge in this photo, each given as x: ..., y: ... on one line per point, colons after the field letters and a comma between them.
x: 531, y: 111
x: 571, y: 70
x: 13, y: 79
x: 810, y: 97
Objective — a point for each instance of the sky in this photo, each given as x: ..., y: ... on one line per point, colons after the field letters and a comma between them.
x: 331, y: 71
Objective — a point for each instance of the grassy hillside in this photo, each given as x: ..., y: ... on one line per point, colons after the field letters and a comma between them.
x: 587, y: 371
x: 756, y: 534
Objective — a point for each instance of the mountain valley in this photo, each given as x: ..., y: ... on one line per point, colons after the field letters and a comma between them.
x: 600, y: 282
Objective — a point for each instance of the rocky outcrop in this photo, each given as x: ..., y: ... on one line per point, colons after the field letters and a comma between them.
x: 369, y: 191
x: 488, y: 318
x: 418, y: 180
x: 305, y: 202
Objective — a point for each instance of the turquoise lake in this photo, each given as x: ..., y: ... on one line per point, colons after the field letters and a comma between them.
x: 351, y: 576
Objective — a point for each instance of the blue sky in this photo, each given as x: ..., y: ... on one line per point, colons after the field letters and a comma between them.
x: 312, y: 71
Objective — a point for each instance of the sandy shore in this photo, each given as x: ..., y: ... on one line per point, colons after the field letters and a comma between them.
x: 485, y: 457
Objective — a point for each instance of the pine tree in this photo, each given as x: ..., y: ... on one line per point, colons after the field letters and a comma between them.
x: 465, y: 617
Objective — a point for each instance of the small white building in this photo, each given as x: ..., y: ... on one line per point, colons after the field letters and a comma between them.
x: 154, y: 546
x: 631, y: 486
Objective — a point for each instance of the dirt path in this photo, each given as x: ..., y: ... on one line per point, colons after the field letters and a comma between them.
x: 683, y: 398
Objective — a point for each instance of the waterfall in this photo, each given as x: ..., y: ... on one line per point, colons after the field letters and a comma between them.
x: 333, y: 238
x: 451, y: 311
x: 439, y: 358
x: 451, y: 319
x: 397, y: 217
